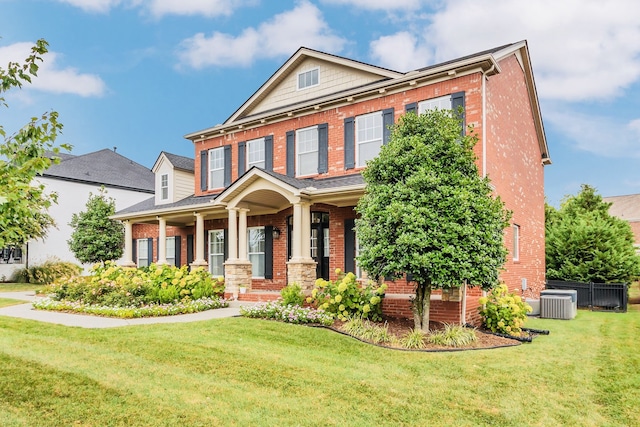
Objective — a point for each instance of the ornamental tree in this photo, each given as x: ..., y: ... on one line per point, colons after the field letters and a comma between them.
x: 427, y: 213
x: 586, y: 244
x: 24, y: 155
x: 96, y: 237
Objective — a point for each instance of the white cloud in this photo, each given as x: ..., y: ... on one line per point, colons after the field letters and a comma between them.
x: 400, y: 52
x: 387, y: 5
x: 282, y: 35
x: 93, y: 6
x: 158, y: 8
x: 50, y: 77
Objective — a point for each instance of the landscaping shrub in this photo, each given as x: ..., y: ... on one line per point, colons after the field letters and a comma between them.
x: 277, y: 310
x: 503, y: 311
x: 453, y: 336
x: 292, y: 294
x: 414, y: 339
x: 345, y: 298
x: 368, y: 331
x: 46, y: 273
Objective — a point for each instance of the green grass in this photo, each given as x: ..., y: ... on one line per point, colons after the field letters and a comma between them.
x: 240, y: 371
x: 19, y: 287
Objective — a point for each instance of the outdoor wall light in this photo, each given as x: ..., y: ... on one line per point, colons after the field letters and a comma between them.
x: 276, y: 233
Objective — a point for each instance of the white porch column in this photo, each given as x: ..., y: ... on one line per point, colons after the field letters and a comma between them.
x: 199, y: 261
x: 162, y: 241
x: 242, y: 234
x: 306, y: 231
x: 128, y: 245
x: 296, y: 252
x: 301, y: 268
x: 233, y: 235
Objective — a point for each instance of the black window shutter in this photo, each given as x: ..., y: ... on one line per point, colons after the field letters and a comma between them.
x: 242, y: 162
x: 225, y: 237
x: 189, y: 249
x: 134, y: 252
x: 178, y: 251
x: 349, y: 246
x: 411, y: 108
x: 323, y: 148
x: 409, y: 277
x: 268, y: 152
x: 291, y: 159
x: 227, y: 165
x: 349, y: 143
x: 204, y: 169
x: 457, y: 100
x: 268, y: 252
x: 387, y: 122
x: 150, y: 249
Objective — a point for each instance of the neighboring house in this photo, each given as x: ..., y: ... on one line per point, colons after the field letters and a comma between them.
x: 627, y: 208
x: 73, y: 179
x: 276, y: 183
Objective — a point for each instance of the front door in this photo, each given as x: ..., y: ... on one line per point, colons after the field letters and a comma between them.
x: 319, y: 242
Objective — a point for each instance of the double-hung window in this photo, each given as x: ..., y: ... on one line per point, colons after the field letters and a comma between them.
x: 171, y: 250
x: 256, y: 250
x: 143, y: 252
x: 516, y: 242
x: 255, y: 153
x: 441, y: 103
x: 216, y: 168
x: 368, y: 137
x: 308, y: 78
x: 216, y: 252
x: 164, y: 186
x: 307, y: 151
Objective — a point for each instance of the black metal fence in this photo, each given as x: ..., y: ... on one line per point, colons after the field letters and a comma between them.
x: 596, y: 296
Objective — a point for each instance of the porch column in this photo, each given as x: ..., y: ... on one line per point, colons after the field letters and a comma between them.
x: 306, y: 232
x: 237, y: 268
x: 242, y: 235
x: 232, y: 234
x: 301, y: 268
x: 162, y: 241
x: 128, y: 245
x: 199, y: 237
x: 296, y: 252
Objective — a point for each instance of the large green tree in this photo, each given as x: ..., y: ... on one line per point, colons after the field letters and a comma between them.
x: 96, y: 237
x: 585, y: 243
x: 427, y: 213
x: 24, y: 155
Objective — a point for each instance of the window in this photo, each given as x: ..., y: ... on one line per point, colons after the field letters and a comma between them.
x: 164, y: 186
x: 307, y: 151
x: 255, y: 153
x: 308, y: 78
x: 368, y: 137
x: 516, y: 242
x: 216, y: 252
x: 171, y: 250
x: 256, y: 250
x: 441, y: 103
x: 216, y: 168
x: 143, y: 253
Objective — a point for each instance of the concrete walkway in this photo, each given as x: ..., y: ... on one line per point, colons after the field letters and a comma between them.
x: 26, y: 311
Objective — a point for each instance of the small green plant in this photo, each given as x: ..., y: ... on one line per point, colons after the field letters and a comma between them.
x: 453, y: 336
x: 292, y: 294
x: 46, y: 273
x: 414, y: 339
x: 503, y: 312
x: 346, y: 298
x: 367, y: 330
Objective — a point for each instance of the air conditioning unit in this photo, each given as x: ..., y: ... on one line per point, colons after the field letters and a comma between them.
x: 556, y: 307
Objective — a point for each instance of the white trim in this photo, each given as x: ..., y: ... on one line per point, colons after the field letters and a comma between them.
x: 305, y: 72
x: 164, y: 187
x: 250, y: 143
x: 212, y: 254
x: 367, y: 141
x: 516, y: 242
x: 263, y: 253
x: 219, y: 150
x: 298, y: 152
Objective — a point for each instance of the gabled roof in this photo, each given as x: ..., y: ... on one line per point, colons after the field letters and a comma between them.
x: 104, y: 167
x: 625, y: 207
x: 186, y: 164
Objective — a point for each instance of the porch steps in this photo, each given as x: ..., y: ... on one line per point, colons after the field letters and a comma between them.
x: 259, y: 296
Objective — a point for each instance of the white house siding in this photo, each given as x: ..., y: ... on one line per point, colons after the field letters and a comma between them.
x: 184, y: 185
x: 164, y: 167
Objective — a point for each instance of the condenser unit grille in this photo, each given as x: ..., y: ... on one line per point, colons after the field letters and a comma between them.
x: 556, y: 307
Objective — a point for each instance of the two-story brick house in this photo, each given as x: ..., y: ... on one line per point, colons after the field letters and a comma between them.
x: 276, y: 184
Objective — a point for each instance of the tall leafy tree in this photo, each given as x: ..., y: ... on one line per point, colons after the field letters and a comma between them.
x: 586, y: 244
x: 24, y: 155
x: 96, y: 237
x: 427, y: 213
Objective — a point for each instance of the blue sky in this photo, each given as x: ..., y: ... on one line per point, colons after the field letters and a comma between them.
x: 139, y: 75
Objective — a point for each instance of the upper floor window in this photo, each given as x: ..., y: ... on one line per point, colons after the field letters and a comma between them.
x: 216, y: 168
x: 441, y: 103
x: 368, y: 137
x: 256, y: 153
x: 307, y: 151
x: 308, y: 78
x: 164, y: 186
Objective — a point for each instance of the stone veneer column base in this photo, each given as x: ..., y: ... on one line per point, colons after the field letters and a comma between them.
x: 236, y: 273
x: 302, y: 272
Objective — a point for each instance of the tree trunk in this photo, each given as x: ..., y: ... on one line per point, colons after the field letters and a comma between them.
x: 421, y: 306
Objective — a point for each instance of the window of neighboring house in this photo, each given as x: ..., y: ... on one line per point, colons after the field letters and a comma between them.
x: 307, y: 151
x: 256, y: 250
x: 255, y: 153
x: 308, y: 78
x: 441, y: 103
x: 143, y: 253
x: 164, y: 186
x: 516, y: 242
x: 171, y: 250
x: 216, y: 168
x: 216, y: 253
x: 368, y: 137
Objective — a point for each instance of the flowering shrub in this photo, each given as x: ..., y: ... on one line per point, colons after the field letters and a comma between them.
x: 46, y: 273
x: 503, y: 312
x: 128, y: 312
x: 116, y: 286
x: 346, y: 298
x: 277, y: 310
x: 292, y: 294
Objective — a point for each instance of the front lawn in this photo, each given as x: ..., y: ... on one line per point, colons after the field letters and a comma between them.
x: 239, y: 371
x: 19, y: 287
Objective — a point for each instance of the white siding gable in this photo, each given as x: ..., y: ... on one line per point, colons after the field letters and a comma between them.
x: 164, y: 168
x: 181, y: 182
